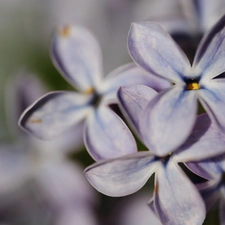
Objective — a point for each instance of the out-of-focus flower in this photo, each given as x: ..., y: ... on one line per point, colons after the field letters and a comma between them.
x: 125, y: 175
x: 26, y: 25
x: 213, y: 191
x: 187, y: 20
x: 77, y: 55
x: 197, y: 16
x: 155, y: 51
x: 202, y: 14
x: 21, y: 91
x: 55, y: 181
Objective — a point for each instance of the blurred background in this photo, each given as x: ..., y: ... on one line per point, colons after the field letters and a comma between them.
x: 35, y: 185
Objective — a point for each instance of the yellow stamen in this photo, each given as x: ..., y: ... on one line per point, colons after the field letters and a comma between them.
x: 65, y: 31
x: 192, y: 86
x: 89, y: 91
x: 35, y: 120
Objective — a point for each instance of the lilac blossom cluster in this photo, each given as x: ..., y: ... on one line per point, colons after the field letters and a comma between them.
x: 159, y: 95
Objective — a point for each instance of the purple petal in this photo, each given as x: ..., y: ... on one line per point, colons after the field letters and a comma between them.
x: 71, y: 140
x: 209, y: 58
x: 168, y: 120
x: 151, y: 205
x: 131, y: 74
x: 76, y: 53
x: 62, y: 183
x: 199, y: 169
x: 210, y: 192
x: 107, y: 136
x: 212, y: 97
x: 206, y: 141
x: 21, y: 91
x: 55, y: 113
x: 208, y: 169
x: 14, y: 169
x: 133, y: 100
x: 154, y: 50
x: 122, y: 176
x: 211, y: 12
x: 177, y: 201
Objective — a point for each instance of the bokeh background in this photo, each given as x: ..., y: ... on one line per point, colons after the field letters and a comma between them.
x: 26, y: 27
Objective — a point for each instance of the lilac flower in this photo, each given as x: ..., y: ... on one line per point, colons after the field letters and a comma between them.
x: 44, y: 169
x: 76, y: 54
x: 125, y: 175
x: 154, y: 50
x: 197, y: 15
x: 213, y: 191
x: 188, y: 24
x: 202, y: 14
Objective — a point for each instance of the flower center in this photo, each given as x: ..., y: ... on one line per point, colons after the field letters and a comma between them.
x: 164, y: 159
x: 96, y: 99
x: 88, y: 91
x: 192, y: 84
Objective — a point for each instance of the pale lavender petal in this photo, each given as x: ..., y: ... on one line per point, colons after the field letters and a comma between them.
x: 208, y: 169
x: 206, y: 141
x: 200, y: 169
x: 177, y: 201
x: 168, y: 120
x: 210, y: 12
x: 107, y: 136
x: 210, y: 192
x: 71, y: 140
x: 154, y: 50
x: 131, y: 74
x: 122, y: 176
x: 14, y: 169
x: 212, y: 97
x: 209, y: 59
x: 151, y: 205
x: 63, y: 184
x: 133, y: 101
x: 222, y: 162
x: 54, y: 113
x: 22, y: 89
x: 76, y: 53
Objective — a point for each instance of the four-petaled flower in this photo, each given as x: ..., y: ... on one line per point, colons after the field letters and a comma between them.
x: 173, y: 112
x: 77, y: 55
x: 125, y: 175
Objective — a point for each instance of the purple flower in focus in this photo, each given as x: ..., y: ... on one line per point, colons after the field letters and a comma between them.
x: 125, y: 175
x: 76, y: 54
x: 176, y: 107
